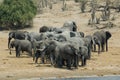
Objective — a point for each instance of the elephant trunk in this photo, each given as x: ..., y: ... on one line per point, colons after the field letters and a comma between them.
x: 9, y: 39
x: 34, y: 56
x: 106, y: 45
x: 52, y: 59
x: 10, y: 50
x: 99, y: 44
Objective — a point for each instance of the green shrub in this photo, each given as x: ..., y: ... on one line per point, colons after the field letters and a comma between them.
x: 16, y: 13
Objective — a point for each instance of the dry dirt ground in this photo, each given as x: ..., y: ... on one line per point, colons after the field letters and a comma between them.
x: 107, y: 63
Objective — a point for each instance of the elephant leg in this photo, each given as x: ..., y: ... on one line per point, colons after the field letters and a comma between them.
x: 68, y: 61
x: 63, y: 62
x: 106, y: 46
x: 83, y: 61
x: 22, y: 51
x: 76, y: 62
x: 94, y: 48
x: 36, y: 60
x: 98, y: 48
x: 17, y: 52
x: 52, y: 59
x: 89, y: 53
x: 10, y: 51
x: 42, y: 57
x: 36, y: 57
x: 43, y: 60
x: 102, y: 45
x: 59, y: 63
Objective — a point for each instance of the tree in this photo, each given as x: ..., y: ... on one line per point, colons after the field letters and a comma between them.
x: 83, y: 5
x: 16, y: 13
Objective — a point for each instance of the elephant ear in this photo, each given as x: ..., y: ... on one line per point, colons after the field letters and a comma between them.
x: 12, y: 34
x: 74, y: 26
x: 12, y: 44
x: 108, y: 35
x: 72, y: 34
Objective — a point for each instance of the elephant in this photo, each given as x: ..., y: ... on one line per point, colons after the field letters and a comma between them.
x: 33, y: 37
x: 88, y: 43
x: 83, y: 55
x: 60, y: 38
x: 76, y: 42
x: 37, y: 55
x: 21, y: 45
x: 70, y: 25
x: 59, y: 52
x: 82, y: 34
x: 64, y: 36
x: 36, y: 36
x: 67, y: 26
x: 17, y: 35
x: 101, y: 39
x: 43, y: 29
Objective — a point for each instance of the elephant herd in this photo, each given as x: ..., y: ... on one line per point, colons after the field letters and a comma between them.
x: 63, y: 46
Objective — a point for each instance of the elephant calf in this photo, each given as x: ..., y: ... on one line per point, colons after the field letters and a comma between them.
x: 37, y: 55
x: 83, y: 55
x: 21, y: 45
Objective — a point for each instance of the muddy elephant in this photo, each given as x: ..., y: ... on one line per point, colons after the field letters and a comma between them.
x: 21, y: 45
x: 101, y: 38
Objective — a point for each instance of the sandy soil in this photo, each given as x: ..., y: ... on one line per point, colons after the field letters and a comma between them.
x: 107, y: 63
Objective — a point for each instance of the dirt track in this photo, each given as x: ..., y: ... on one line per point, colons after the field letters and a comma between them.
x: 107, y: 63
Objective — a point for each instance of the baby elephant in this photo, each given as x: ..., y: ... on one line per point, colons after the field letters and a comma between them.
x: 83, y: 55
x: 21, y: 45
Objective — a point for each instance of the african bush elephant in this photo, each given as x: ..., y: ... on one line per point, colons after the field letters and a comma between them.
x: 83, y: 55
x: 21, y: 45
x: 59, y: 51
x: 33, y: 37
x: 36, y: 36
x: 88, y: 43
x: 64, y: 36
x: 17, y: 35
x: 44, y: 29
x: 37, y: 55
x: 101, y: 39
x: 67, y: 26
x: 70, y: 25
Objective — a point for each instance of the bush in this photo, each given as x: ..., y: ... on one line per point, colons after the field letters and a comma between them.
x: 16, y: 13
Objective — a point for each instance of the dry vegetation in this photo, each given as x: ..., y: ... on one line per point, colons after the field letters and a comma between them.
x: 107, y: 63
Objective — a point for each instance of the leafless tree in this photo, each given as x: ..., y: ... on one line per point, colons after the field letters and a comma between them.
x: 83, y: 5
x: 106, y: 12
x: 64, y: 5
x: 93, y: 20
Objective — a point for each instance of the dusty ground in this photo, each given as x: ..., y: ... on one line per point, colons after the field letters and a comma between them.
x: 107, y: 63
